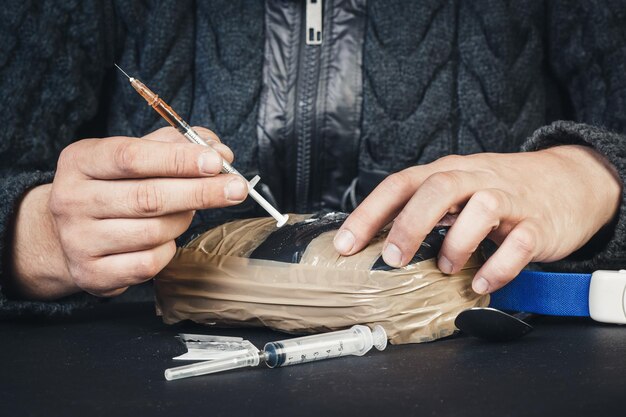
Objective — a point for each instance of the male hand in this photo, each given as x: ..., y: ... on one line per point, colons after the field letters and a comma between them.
x: 116, y: 205
x: 538, y: 206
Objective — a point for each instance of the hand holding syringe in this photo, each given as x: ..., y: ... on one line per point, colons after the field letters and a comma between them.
x: 183, y: 127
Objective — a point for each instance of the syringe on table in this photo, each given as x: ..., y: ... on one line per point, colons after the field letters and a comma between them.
x: 187, y: 131
x: 357, y: 340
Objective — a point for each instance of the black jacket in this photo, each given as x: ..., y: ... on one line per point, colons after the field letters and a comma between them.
x: 393, y: 84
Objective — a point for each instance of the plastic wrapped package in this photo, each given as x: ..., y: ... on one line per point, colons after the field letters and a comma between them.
x: 291, y: 279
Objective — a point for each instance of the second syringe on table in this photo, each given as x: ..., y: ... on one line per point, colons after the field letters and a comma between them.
x: 357, y: 340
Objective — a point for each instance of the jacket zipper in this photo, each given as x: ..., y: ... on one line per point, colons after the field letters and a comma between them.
x: 307, y: 87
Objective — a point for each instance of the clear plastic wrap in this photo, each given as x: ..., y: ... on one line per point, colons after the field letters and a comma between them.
x: 218, y: 279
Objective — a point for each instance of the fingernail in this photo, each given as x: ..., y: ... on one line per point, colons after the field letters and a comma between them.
x: 344, y: 241
x: 235, y: 190
x: 445, y: 265
x: 210, y: 163
x: 392, y: 255
x: 480, y: 285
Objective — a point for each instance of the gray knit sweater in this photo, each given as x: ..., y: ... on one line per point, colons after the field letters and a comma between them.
x: 438, y: 77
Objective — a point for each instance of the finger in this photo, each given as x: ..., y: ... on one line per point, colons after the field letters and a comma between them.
x: 171, y: 135
x: 385, y: 202
x: 116, y: 158
x: 109, y: 274
x: 214, y: 141
x: 166, y: 134
x: 481, y: 215
x: 518, y: 249
x: 224, y: 151
x: 377, y: 210
x: 114, y: 236
x: 429, y: 204
x: 206, y: 134
x: 112, y: 293
x: 158, y: 197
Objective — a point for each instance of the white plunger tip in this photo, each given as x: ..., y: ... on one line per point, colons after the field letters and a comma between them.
x: 282, y: 221
x: 380, y: 337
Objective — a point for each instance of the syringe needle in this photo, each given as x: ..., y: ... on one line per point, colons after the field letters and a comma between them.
x: 123, y: 72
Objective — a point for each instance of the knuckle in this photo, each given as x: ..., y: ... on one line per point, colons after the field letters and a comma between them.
x: 147, y: 198
x: 87, y: 278
x: 67, y: 157
x: 452, y: 161
x: 74, y: 150
x: 125, y: 157
x: 58, y: 204
x: 444, y: 183
x: 98, y: 199
x: 399, y: 182
x: 204, y: 194
x: 525, y: 240
x: 488, y: 202
x: 179, y: 161
x: 65, y: 201
x: 147, y: 266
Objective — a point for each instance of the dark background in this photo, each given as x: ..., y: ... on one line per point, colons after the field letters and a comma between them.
x: 109, y: 361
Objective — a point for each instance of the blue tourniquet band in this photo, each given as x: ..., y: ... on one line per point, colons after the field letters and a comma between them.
x: 549, y: 293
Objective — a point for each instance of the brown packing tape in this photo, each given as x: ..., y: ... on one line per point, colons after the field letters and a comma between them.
x: 241, y: 237
x: 210, y: 281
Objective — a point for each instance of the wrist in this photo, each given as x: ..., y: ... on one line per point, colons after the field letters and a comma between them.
x: 37, y: 264
x: 597, y: 176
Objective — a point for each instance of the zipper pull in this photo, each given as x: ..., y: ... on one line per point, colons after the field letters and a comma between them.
x: 313, y: 22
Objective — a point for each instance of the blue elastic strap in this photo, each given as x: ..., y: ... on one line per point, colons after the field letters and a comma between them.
x: 550, y: 293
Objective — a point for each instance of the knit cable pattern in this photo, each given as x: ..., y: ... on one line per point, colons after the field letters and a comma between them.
x: 50, y: 76
x: 450, y: 77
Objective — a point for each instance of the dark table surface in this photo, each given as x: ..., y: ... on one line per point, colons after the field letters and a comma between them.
x: 109, y: 361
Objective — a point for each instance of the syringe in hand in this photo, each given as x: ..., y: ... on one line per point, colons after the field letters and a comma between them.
x: 183, y: 127
x: 357, y: 340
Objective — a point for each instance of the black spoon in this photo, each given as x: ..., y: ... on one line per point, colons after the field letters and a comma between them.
x: 492, y: 324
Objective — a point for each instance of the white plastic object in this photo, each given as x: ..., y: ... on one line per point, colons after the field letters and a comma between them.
x: 209, y: 347
x: 250, y: 358
x: 607, y: 296
x: 254, y: 181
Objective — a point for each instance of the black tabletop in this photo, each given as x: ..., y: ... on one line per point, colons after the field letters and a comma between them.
x: 109, y: 361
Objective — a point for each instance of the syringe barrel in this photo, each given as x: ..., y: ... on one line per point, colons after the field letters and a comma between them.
x: 250, y: 358
x: 357, y: 340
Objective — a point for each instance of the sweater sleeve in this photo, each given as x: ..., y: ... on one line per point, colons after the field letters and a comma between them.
x: 587, y: 54
x: 12, y: 188
x: 53, y: 57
